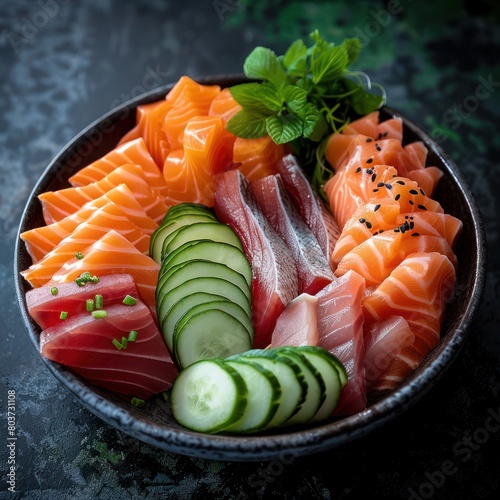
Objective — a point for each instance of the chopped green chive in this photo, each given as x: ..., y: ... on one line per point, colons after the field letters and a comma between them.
x: 63, y: 315
x: 54, y: 290
x: 129, y: 300
x: 89, y: 305
x: 124, y: 342
x: 85, y: 278
x: 117, y: 344
x: 132, y: 336
x: 99, y: 314
x: 137, y: 402
x: 79, y: 255
x: 99, y: 301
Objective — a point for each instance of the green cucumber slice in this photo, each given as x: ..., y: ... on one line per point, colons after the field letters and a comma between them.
x: 211, y: 333
x: 212, y: 251
x: 331, y: 378
x: 203, y: 230
x: 166, y: 229
x: 290, y: 377
x: 316, y: 389
x: 208, y: 396
x: 264, y: 394
x: 169, y: 296
x: 186, y: 207
x: 199, y: 302
x: 200, y: 269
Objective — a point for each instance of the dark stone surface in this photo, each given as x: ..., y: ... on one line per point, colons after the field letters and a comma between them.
x: 63, y: 64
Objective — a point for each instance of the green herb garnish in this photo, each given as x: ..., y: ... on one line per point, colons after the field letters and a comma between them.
x: 79, y: 255
x: 89, y: 304
x: 85, y: 278
x: 99, y: 314
x: 137, y: 402
x: 99, y: 301
x: 54, y: 290
x: 132, y: 335
x: 302, y: 97
x: 129, y: 300
x: 63, y: 315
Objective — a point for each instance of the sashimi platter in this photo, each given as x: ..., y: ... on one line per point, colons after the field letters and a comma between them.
x: 233, y: 266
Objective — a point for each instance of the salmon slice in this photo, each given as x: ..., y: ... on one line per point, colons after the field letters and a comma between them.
x: 114, y: 254
x: 224, y: 105
x: 340, y: 331
x: 311, y: 209
x: 312, y: 266
x: 433, y: 224
x: 370, y: 126
x: 134, y: 152
x: 96, y: 226
x: 417, y: 290
x: 356, y: 184
x: 59, y: 204
x: 258, y: 157
x: 41, y: 240
x: 368, y: 219
x: 274, y: 282
x: 189, y: 172
x: 378, y: 256
x: 427, y: 178
x: 388, y: 358
x: 188, y: 99
x: 150, y: 127
x: 340, y: 149
x: 298, y: 324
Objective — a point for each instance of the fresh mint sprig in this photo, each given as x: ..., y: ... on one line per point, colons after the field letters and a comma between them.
x: 302, y: 97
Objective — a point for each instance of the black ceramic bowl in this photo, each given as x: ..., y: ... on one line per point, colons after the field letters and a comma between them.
x: 154, y: 423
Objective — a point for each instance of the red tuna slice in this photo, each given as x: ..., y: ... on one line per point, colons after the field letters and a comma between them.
x: 298, y: 323
x: 85, y: 345
x: 340, y: 331
x: 274, y: 281
x: 307, y: 203
x: 313, y: 269
x: 387, y: 361
x: 45, y: 307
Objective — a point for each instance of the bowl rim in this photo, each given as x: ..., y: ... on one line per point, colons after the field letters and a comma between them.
x: 270, y: 446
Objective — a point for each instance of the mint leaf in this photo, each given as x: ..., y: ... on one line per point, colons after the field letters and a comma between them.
x: 248, y: 124
x: 262, y: 97
x: 294, y: 59
x: 353, y: 48
x: 284, y: 128
x: 328, y: 62
x: 262, y: 64
x: 310, y: 116
x: 319, y: 131
x: 294, y: 97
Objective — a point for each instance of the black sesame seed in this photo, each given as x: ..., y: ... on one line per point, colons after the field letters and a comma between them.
x: 411, y: 202
x: 396, y: 230
x: 369, y: 171
x: 374, y: 176
x: 422, y: 192
x: 379, y: 136
x: 381, y: 231
x: 375, y: 233
x: 362, y: 220
x: 376, y: 207
x: 369, y: 160
x: 376, y: 190
x: 415, y: 234
x: 422, y: 207
x: 378, y: 148
x: 380, y: 184
x: 413, y: 191
x: 412, y: 225
x: 388, y: 186
x: 406, y: 217
x: 385, y: 134
x: 369, y: 139
x: 401, y: 182
x: 369, y: 225
x: 358, y: 170
x: 397, y: 197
